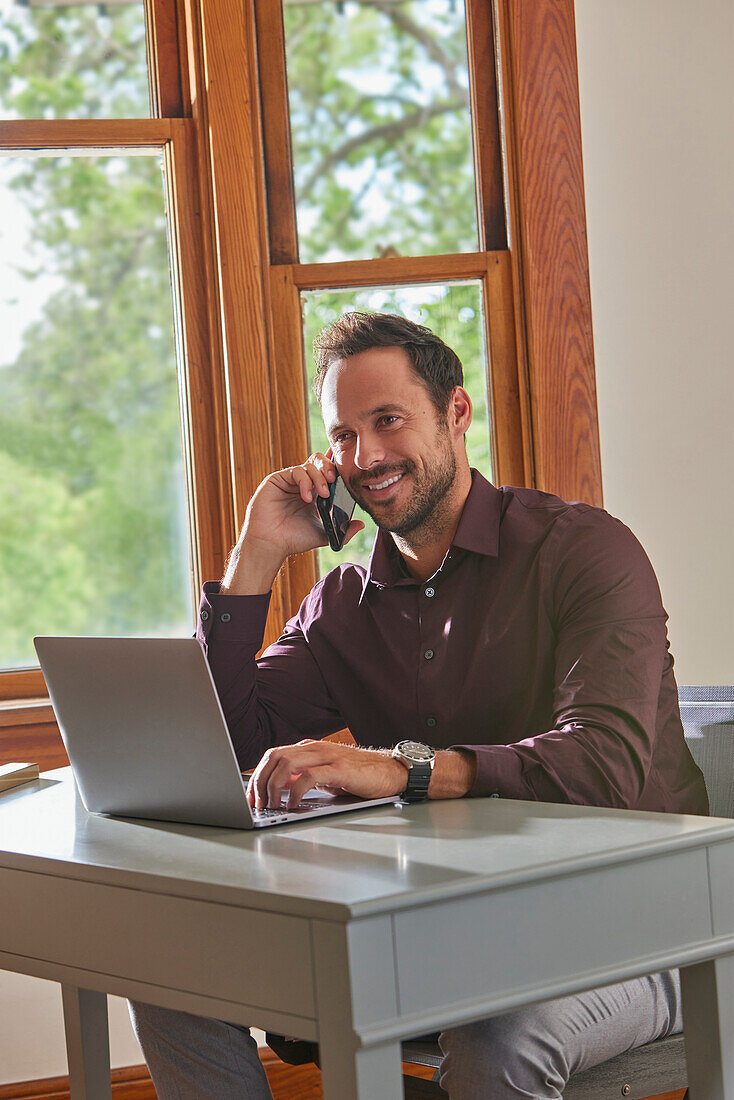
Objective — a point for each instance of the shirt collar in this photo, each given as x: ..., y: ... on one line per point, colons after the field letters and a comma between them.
x: 478, y: 531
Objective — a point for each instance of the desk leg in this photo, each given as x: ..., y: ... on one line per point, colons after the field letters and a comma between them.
x: 87, y: 1043
x: 354, y: 976
x: 708, y: 1020
x: 363, y: 1074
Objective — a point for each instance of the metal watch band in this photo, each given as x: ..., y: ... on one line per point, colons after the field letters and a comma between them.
x: 419, y: 778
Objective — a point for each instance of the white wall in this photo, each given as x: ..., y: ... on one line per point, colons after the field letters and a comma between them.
x: 32, y: 1030
x: 657, y: 118
x: 657, y: 112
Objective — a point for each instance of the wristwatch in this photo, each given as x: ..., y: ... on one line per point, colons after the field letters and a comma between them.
x: 419, y: 760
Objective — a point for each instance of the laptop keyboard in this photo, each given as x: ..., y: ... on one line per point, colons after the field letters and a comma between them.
x: 310, y: 804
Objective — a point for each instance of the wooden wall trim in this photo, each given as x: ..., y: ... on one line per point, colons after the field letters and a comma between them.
x: 542, y: 134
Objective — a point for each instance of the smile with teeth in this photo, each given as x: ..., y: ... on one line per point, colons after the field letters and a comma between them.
x: 384, y: 484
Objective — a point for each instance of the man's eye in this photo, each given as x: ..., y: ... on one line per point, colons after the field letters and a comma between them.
x: 389, y: 420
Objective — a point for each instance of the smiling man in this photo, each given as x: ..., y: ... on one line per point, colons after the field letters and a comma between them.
x: 501, y: 643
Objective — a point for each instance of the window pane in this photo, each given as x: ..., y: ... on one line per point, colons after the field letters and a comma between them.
x: 454, y: 312
x: 93, y: 514
x: 72, y: 60
x: 381, y: 127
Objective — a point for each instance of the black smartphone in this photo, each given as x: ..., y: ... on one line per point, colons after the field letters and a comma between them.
x: 336, y: 511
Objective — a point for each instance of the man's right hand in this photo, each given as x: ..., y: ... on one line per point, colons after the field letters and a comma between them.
x: 281, y: 520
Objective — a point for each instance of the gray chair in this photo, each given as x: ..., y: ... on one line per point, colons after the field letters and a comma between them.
x: 708, y: 723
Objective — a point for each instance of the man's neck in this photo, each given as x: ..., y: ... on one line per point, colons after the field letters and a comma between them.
x: 425, y: 549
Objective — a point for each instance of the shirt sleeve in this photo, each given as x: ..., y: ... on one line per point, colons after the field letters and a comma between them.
x: 610, y: 656
x: 277, y: 699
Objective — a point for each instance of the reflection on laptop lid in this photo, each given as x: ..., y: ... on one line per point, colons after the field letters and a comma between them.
x: 146, y: 737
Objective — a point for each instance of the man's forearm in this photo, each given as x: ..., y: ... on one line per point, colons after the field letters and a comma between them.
x: 453, y: 774
x: 249, y: 573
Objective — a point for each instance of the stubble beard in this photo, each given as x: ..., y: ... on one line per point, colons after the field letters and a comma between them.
x: 423, y: 516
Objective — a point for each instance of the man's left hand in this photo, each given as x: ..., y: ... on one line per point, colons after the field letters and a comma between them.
x: 328, y: 766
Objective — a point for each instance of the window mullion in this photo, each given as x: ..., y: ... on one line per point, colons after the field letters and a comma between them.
x: 277, y: 150
x: 166, y: 48
x: 390, y: 271
x: 94, y: 135
x: 201, y: 377
x: 486, y: 125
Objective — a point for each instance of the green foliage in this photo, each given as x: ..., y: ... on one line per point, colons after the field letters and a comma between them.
x: 90, y: 406
x: 380, y: 128
x: 41, y: 559
x: 73, y: 62
x: 92, y: 516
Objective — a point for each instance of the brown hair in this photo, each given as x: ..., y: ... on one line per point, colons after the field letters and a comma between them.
x: 437, y: 366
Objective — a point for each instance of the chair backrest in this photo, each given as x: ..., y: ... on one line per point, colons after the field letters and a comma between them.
x: 708, y: 724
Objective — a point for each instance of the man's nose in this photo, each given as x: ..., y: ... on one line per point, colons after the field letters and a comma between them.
x: 368, y: 451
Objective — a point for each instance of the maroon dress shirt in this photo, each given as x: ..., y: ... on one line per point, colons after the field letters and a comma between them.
x: 540, y: 645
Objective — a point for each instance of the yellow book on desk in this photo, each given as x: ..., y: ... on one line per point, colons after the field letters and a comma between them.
x: 12, y: 775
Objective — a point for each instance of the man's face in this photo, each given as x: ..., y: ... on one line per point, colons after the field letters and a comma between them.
x: 392, y: 447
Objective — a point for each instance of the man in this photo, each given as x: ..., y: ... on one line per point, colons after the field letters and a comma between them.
x: 522, y: 637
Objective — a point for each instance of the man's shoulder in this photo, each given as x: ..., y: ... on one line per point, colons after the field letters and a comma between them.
x: 560, y: 525
x: 535, y: 500
x: 536, y: 509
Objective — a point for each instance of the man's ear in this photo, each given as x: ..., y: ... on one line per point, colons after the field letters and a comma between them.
x: 460, y: 410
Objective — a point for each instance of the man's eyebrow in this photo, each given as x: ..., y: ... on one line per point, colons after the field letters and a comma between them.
x: 372, y: 412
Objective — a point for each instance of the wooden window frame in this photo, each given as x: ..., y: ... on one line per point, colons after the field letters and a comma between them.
x: 491, y: 266
x: 219, y: 98
x: 202, y: 390
x: 533, y: 263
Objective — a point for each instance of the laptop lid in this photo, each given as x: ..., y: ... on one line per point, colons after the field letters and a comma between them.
x: 143, y: 728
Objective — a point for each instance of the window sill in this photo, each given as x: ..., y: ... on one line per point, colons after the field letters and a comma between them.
x: 26, y: 712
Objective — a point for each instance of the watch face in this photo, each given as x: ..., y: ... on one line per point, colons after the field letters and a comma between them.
x: 415, y: 751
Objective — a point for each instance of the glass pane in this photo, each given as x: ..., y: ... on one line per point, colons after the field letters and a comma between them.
x: 381, y: 128
x: 454, y: 312
x: 93, y: 514
x: 72, y: 60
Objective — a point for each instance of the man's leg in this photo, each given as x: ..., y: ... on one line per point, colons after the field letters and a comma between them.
x: 193, y: 1058
x: 534, y: 1051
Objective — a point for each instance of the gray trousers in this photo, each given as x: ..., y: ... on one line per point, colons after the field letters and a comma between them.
x: 529, y: 1053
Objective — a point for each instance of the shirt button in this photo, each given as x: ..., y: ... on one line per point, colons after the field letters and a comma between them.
x: 431, y: 722
x: 204, y: 615
x: 226, y: 617
x: 430, y: 592
x: 428, y: 654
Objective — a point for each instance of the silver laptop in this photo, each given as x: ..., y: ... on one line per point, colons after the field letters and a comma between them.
x: 146, y: 736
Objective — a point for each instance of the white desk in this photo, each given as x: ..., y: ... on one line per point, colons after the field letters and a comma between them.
x: 364, y: 929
